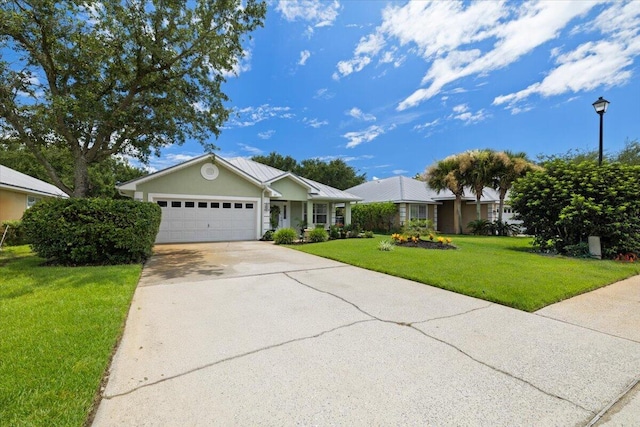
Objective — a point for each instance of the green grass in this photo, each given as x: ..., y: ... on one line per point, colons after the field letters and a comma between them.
x: 498, y: 269
x: 58, y: 328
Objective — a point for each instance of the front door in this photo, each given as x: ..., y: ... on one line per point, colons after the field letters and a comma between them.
x: 281, y: 212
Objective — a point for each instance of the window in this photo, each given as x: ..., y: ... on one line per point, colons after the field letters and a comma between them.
x: 175, y: 204
x: 319, y: 213
x: 418, y: 212
x: 32, y: 200
x: 162, y: 203
x: 189, y: 204
x: 215, y: 205
x: 237, y: 205
x: 202, y: 204
x: 248, y: 206
x: 226, y: 205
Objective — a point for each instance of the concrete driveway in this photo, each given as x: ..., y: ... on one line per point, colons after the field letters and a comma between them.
x: 250, y: 333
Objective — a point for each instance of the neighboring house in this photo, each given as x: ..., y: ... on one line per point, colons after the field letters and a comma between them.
x: 210, y: 198
x: 415, y: 200
x: 18, y: 192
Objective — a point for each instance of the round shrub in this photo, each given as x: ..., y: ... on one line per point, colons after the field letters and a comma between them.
x: 92, y: 231
x: 318, y: 235
x: 285, y: 236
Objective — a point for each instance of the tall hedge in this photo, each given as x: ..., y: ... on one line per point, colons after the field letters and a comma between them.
x: 92, y: 231
x: 567, y: 202
x: 380, y: 216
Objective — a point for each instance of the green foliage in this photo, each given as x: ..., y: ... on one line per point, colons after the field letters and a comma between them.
x: 268, y: 236
x: 318, y: 234
x: 629, y: 155
x: 103, y: 176
x: 418, y: 227
x: 368, y: 234
x: 274, y: 216
x: 378, y: 216
x: 285, y: 236
x: 480, y: 227
x: 92, y: 231
x: 15, y: 234
x: 567, y: 202
x: 386, y: 246
x: 335, y: 173
x: 334, y: 232
x: 121, y: 77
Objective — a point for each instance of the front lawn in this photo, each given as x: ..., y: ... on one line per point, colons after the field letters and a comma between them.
x: 498, y: 269
x: 58, y: 328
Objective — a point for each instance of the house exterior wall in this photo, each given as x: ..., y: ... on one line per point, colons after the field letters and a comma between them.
x: 12, y: 205
x: 445, y: 217
x: 290, y: 190
x: 189, y: 181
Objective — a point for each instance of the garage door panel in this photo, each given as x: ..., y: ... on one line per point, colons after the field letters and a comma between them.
x: 207, y: 221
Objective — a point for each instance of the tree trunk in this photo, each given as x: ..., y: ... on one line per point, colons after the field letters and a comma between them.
x: 478, y: 208
x: 81, y: 177
x: 501, y: 206
x: 457, y: 219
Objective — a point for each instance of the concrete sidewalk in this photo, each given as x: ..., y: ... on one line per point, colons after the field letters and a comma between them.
x: 250, y: 333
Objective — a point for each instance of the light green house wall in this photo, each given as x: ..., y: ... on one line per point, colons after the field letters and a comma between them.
x: 189, y: 182
x: 290, y: 190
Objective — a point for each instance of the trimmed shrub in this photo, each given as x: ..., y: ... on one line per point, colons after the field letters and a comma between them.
x: 380, y: 216
x: 418, y: 227
x: 285, y: 236
x: 567, y: 202
x: 318, y: 235
x: 15, y: 234
x: 92, y: 231
x: 268, y: 236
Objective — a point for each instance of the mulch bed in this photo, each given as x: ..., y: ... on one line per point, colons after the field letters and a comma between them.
x: 427, y: 244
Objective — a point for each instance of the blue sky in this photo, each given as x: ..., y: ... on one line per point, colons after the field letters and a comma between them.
x: 391, y: 86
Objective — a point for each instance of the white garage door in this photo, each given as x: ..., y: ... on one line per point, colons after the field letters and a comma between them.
x: 207, y: 220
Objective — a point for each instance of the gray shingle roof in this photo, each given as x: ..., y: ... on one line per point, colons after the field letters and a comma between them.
x: 401, y: 189
x: 18, y: 181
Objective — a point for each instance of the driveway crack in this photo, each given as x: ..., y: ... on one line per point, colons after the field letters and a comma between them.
x: 410, y: 325
x: 231, y: 358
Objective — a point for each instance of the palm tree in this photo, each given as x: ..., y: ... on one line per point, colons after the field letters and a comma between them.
x: 478, y: 170
x: 510, y: 167
x: 443, y: 175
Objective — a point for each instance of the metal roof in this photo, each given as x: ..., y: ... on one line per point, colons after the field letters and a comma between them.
x: 18, y: 181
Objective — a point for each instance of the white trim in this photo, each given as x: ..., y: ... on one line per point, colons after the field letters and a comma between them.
x: 24, y: 190
x: 153, y: 197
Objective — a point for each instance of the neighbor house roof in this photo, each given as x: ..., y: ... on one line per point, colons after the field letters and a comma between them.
x: 257, y: 173
x: 17, y: 181
x: 401, y: 189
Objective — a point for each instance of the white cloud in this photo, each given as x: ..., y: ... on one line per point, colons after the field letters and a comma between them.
x: 249, y: 116
x: 356, y: 113
x: 462, y: 113
x: 592, y: 64
x: 399, y: 171
x: 324, y: 94
x: 304, y: 55
x: 459, y: 39
x: 254, y: 151
x: 314, y: 123
x: 318, y: 13
x: 427, y: 125
x: 367, y: 135
x: 267, y: 134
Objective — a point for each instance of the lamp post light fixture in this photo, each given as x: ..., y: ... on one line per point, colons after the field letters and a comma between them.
x: 601, y: 107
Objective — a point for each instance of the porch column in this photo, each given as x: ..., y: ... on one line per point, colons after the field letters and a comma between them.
x: 332, y: 214
x: 309, y: 214
x: 347, y: 213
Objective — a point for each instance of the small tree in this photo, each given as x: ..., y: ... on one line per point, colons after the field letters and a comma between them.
x: 446, y: 174
x: 478, y: 170
x: 509, y: 167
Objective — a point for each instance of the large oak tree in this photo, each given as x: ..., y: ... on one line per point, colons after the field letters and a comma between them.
x: 117, y: 77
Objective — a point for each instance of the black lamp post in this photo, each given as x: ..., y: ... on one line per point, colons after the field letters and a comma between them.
x: 601, y: 107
